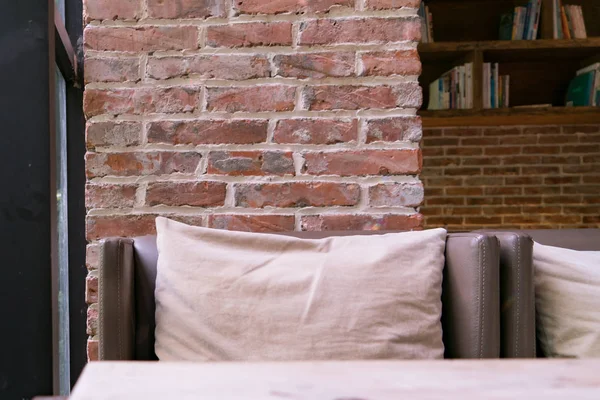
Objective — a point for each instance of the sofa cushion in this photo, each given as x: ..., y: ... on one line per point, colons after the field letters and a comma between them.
x: 567, y: 290
x: 223, y: 295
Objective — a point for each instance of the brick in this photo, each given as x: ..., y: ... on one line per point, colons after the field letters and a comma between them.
x: 485, y: 220
x: 429, y: 162
x: 541, y: 209
x: 463, y: 211
x: 361, y: 222
x: 464, y: 191
x: 121, y: 69
x: 591, y: 159
x: 288, y: 6
x: 141, y: 163
x: 109, y: 195
x: 562, y: 219
x: 502, y: 131
x: 394, y: 129
x: 502, y: 151
x: 511, y: 160
x: 584, y: 148
x: 585, y: 189
x: 524, y: 180
x: 445, y: 181
x: 364, y: 162
x: 581, y: 210
x: 396, y: 195
x: 484, y: 181
x: 501, y: 171
x: 315, y: 65
x: 470, y: 161
x: 522, y: 219
x: 92, y: 256
x: 195, y: 194
x: 386, y: 63
x: 218, y: 66
x: 516, y: 140
x: 562, y: 180
x: 541, y: 130
x: 462, y: 132
x: 572, y: 129
x: 580, y: 169
x: 462, y: 171
x: 91, y: 288
x: 592, y: 219
x: 558, y: 139
x: 592, y: 179
x: 246, y: 163
x: 197, y: 132
x: 92, y: 349
x: 503, y: 210
x: 117, y: 134
x: 464, y: 151
x: 134, y: 39
x: 131, y: 225
x: 486, y: 201
x: 346, y: 97
x: 444, y: 220
x: 564, y: 200
x: 429, y: 132
x: 253, y: 223
x: 315, y: 131
x: 503, y: 190
x: 391, y: 4
x: 445, y: 201
x: 589, y: 138
x: 539, y: 170
x: 251, y: 99
x: 110, y: 9
x: 479, y: 141
x: 296, y: 194
x: 525, y: 200
x: 432, y: 151
x: 561, y: 160
x: 250, y: 34
x: 186, y: 8
x: 434, y: 192
x: 438, y: 142
x: 359, y: 30
x: 140, y: 101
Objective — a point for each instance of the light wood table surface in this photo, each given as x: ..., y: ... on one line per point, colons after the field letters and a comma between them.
x: 362, y: 380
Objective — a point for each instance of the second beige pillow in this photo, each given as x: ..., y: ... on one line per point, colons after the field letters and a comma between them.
x: 224, y: 295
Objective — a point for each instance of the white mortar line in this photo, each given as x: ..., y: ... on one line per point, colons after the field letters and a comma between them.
x: 202, y: 37
x: 298, y: 163
x: 144, y: 133
x: 371, y: 113
x: 387, y: 46
x: 364, y: 197
x: 230, y: 195
x: 271, y: 125
x: 144, y: 9
x: 140, y: 195
x: 143, y: 67
x: 336, y: 13
x: 297, y: 222
x: 197, y: 80
x: 296, y: 34
x: 299, y: 104
x: 362, y: 131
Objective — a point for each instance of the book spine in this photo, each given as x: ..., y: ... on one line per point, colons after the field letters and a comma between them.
x: 469, y: 84
x: 515, y: 23
x: 430, y: 24
x: 536, y: 23
x: 507, y: 91
x: 522, y: 15
x: 554, y: 20
x: 557, y: 14
x: 527, y: 20
x: 496, y: 98
x: 565, y: 23
x: 568, y: 15
x: 583, y: 31
x: 592, y: 101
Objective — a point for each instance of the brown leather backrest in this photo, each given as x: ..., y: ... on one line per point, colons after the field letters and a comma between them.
x: 471, y: 299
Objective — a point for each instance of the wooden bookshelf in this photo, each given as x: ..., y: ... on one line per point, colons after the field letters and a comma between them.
x: 540, y: 70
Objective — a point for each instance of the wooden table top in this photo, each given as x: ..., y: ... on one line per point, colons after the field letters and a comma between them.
x: 356, y: 380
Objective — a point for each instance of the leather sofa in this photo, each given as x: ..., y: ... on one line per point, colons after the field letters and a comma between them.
x: 470, y: 296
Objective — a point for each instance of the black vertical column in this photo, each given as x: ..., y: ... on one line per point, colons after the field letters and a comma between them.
x: 25, y: 275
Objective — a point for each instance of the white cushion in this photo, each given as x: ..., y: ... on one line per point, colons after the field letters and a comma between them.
x: 223, y: 295
x: 567, y: 290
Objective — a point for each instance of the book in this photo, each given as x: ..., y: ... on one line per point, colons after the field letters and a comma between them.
x: 452, y: 90
x: 469, y: 84
x: 515, y: 23
x: 506, y: 26
x: 536, y: 20
x: 429, y: 24
x: 580, y: 89
x: 506, y: 90
x: 581, y: 23
x: 521, y: 26
x: 486, y: 86
x: 528, y: 19
x: 595, y: 93
x: 565, y: 24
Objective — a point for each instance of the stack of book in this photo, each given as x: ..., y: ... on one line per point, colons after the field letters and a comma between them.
x: 453, y: 90
x: 584, y: 89
x: 495, y: 87
x: 523, y: 23
x: 426, y: 24
x: 568, y: 21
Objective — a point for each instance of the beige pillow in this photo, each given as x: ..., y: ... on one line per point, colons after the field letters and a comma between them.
x: 567, y: 291
x: 223, y: 295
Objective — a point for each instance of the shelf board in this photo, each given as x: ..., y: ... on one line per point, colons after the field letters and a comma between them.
x: 511, y: 116
x: 514, y: 49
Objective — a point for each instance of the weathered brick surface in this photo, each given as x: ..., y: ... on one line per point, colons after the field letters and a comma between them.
x: 251, y: 99
x: 208, y: 132
x: 140, y: 38
x: 253, y: 223
x: 315, y: 65
x: 536, y: 177
x: 315, y: 131
x: 288, y: 6
x: 360, y: 222
x: 196, y: 194
x: 270, y: 116
x: 250, y: 163
x: 113, y: 69
x: 220, y: 66
x: 111, y: 9
x: 250, y: 34
x: 296, y: 194
x: 366, y: 162
x: 367, y: 30
x: 186, y: 8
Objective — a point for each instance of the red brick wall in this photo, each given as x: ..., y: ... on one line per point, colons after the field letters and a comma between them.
x: 512, y: 177
x: 251, y: 115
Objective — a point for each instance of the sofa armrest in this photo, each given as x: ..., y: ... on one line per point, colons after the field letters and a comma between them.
x: 116, y: 309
